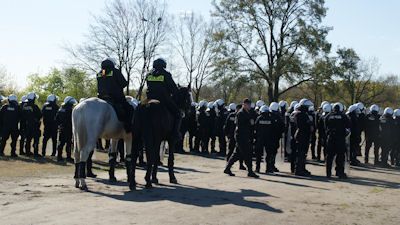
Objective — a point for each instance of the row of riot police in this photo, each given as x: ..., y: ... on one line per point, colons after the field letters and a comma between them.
x: 23, y: 120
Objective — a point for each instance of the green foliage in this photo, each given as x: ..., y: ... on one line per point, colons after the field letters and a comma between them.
x: 67, y: 82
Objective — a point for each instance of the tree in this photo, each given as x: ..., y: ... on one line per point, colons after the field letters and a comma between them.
x: 117, y: 32
x: 274, y: 38
x: 7, y: 84
x: 67, y: 82
x: 192, y: 40
x: 153, y: 27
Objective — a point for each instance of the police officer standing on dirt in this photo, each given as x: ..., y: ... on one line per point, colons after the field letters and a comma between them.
x: 64, y: 121
x: 49, y: 111
x: 337, y: 128
x: 371, y: 125
x: 304, y: 128
x: 31, y: 116
x: 10, y: 114
x: 243, y: 133
x: 219, y: 123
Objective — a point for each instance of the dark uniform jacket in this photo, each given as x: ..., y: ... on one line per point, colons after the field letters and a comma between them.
x: 31, y: 115
x: 387, y: 128
x: 371, y: 124
x: 64, y: 118
x: 49, y: 111
x: 10, y: 115
x: 303, y: 126
x: 160, y: 85
x: 111, y: 82
x: 229, y: 127
x: 244, y: 127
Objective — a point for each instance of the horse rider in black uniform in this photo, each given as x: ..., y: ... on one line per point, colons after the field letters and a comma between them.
x: 110, y: 85
x: 161, y: 86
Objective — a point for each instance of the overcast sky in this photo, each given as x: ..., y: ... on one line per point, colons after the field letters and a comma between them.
x: 33, y: 32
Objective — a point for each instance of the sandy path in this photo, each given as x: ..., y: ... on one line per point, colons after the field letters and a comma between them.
x: 205, y: 196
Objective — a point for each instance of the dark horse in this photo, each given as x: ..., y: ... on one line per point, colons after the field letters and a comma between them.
x: 153, y: 123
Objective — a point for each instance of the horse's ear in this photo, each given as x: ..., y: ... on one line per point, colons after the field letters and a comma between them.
x: 179, y: 85
x: 189, y: 86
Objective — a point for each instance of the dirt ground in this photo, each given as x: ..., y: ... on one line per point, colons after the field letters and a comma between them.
x: 42, y: 192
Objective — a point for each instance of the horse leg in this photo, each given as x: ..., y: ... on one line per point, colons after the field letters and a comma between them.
x: 84, y: 154
x: 172, y: 178
x: 112, y: 160
x: 77, y: 159
x: 154, y: 179
x: 129, y: 163
x: 150, y: 151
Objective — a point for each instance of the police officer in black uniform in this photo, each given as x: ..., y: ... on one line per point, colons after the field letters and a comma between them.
x: 162, y: 87
x: 387, y: 135
x: 279, y: 129
x: 211, y: 117
x: 229, y: 128
x: 337, y: 127
x: 371, y: 125
x: 264, y: 126
x: 243, y: 134
x: 302, y: 136
x: 64, y: 122
x: 202, y: 132
x: 355, y: 129
x: 110, y: 86
x: 321, y: 147
x: 31, y: 116
x: 192, y: 126
x: 219, y: 123
x: 49, y: 111
x: 10, y: 114
x: 22, y: 127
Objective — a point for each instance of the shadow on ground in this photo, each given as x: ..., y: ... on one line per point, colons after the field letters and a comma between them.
x: 195, y: 196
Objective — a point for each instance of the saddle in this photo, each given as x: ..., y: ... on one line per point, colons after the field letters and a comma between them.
x: 148, y: 102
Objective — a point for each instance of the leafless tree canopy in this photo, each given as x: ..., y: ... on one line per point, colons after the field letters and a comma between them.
x: 192, y: 41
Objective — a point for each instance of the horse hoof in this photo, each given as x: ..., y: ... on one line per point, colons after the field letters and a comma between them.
x: 173, y: 181
x: 77, y: 184
x: 154, y: 181
x: 113, y: 179
x: 148, y: 186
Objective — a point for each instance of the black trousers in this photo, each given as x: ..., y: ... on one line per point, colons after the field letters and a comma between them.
x: 270, y: 155
x: 336, y: 147
x: 49, y: 134
x: 368, y: 144
x: 301, y: 154
x: 243, y: 151
x: 321, y: 147
x: 5, y: 134
x: 65, y: 139
x: 222, y: 143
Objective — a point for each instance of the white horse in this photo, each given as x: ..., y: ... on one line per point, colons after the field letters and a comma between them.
x: 92, y: 119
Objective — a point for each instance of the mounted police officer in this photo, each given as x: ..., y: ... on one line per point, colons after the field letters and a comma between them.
x: 161, y: 86
x: 49, y: 111
x: 110, y: 85
x: 10, y: 114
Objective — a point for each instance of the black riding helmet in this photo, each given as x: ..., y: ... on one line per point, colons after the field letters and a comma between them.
x: 159, y: 63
